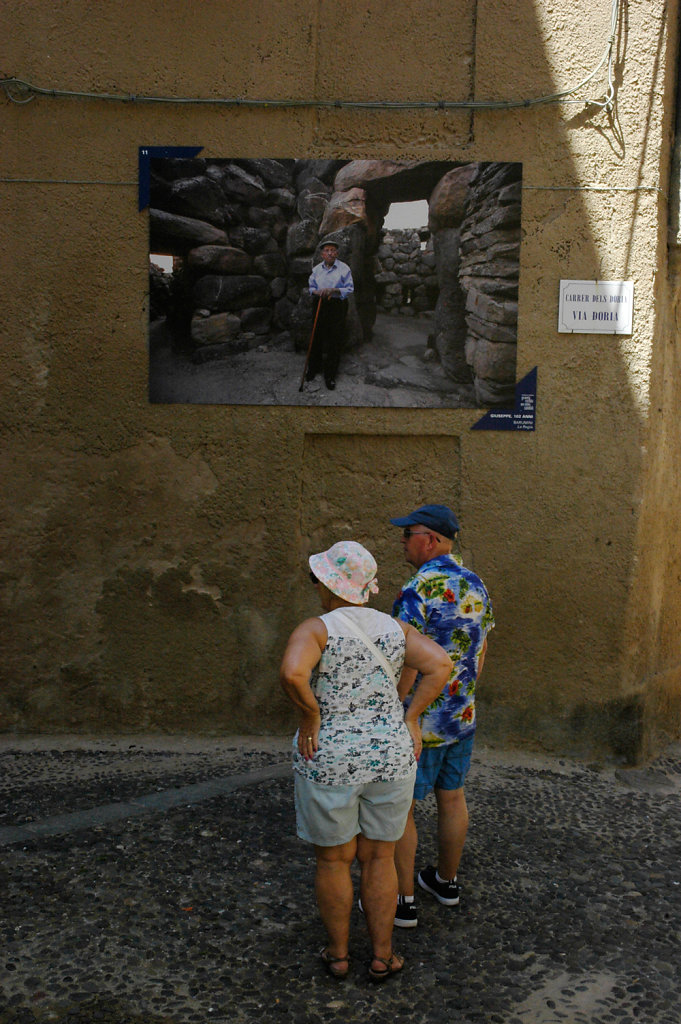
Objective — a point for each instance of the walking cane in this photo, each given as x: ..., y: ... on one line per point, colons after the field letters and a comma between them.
x: 309, y: 347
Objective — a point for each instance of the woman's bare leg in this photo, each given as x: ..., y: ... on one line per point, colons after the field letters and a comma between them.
x: 379, y: 894
x: 333, y: 887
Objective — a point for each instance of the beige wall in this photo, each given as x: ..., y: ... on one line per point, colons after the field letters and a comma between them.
x: 153, y: 556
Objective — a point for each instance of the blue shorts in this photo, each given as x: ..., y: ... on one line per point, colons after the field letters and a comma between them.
x: 333, y: 815
x: 443, y: 767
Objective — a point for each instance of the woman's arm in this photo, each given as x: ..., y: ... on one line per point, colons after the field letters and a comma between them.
x: 425, y: 656
x: 406, y: 681
x: 303, y: 651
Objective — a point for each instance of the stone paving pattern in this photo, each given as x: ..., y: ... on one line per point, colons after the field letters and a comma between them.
x: 204, y: 911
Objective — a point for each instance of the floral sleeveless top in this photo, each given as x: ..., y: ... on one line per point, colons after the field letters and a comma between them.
x: 362, y: 737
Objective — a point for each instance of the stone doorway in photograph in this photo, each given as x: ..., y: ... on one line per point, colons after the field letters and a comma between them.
x: 458, y: 270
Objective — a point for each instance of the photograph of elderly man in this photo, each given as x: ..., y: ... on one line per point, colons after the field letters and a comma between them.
x: 249, y: 304
x: 331, y: 284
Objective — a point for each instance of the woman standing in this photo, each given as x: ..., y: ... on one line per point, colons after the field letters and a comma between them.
x: 355, y: 751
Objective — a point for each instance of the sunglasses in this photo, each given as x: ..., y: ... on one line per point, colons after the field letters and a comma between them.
x: 407, y: 533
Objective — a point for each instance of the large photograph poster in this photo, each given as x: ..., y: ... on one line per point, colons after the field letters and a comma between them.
x: 422, y: 258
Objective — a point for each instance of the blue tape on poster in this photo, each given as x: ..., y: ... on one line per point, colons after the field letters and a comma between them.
x: 146, y: 153
x: 521, y: 416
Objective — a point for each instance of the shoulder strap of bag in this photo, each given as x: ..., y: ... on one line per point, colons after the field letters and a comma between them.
x: 377, y: 653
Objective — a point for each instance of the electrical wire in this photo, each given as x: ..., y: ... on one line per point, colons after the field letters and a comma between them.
x: 66, y: 181
x: 20, y: 91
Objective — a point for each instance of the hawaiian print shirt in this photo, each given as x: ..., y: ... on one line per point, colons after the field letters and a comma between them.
x: 362, y: 737
x: 449, y: 603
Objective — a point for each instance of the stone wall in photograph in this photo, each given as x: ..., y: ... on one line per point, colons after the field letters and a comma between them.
x: 489, y: 263
x: 405, y: 273
x: 246, y: 232
x: 474, y: 216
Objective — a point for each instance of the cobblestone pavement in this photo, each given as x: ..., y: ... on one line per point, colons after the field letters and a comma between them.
x: 160, y: 880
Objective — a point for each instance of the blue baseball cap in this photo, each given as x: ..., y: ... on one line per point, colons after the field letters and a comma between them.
x: 438, y: 518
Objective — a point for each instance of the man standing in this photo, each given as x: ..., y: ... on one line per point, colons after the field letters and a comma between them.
x: 449, y: 603
x: 331, y: 282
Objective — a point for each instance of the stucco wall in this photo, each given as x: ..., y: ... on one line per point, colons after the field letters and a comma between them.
x: 154, y: 556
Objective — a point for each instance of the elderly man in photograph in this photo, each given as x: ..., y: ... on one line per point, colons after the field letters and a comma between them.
x: 331, y: 283
x: 449, y: 603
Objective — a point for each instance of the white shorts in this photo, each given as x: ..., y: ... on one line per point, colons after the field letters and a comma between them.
x: 333, y: 815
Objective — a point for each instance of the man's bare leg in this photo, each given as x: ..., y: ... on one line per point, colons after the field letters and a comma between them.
x: 405, y: 855
x: 452, y: 826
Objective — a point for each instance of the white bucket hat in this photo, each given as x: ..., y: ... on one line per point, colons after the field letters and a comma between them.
x: 348, y: 570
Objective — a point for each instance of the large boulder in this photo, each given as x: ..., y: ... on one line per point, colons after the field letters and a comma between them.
x: 236, y: 183
x: 301, y: 267
x: 270, y: 264
x: 273, y: 173
x: 284, y: 198
x: 312, y: 205
x: 283, y: 310
x: 172, y: 168
x: 315, y: 186
x: 252, y: 240
x: 504, y: 217
x: 257, y: 320
x: 446, y: 206
x: 305, y: 171
x: 491, y: 308
x: 218, y: 293
x: 492, y: 332
x: 343, y: 209
x: 392, y: 182
x: 301, y: 238
x: 214, y: 330
x: 219, y: 259
x: 169, y: 232
x: 268, y: 218
x: 493, y: 362
x: 358, y: 173
x: 200, y: 198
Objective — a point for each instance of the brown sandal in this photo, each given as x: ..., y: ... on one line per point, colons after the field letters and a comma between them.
x: 330, y: 962
x: 389, y: 969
